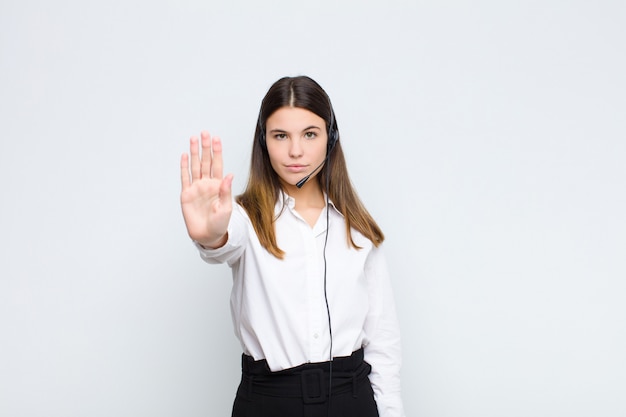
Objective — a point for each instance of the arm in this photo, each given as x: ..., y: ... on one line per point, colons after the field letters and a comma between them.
x: 383, y: 351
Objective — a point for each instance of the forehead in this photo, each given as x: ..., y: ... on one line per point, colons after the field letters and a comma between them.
x: 294, y: 118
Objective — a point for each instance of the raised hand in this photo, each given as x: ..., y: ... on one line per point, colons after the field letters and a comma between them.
x: 206, y: 196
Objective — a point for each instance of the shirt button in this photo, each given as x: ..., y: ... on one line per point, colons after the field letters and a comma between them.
x: 316, y: 335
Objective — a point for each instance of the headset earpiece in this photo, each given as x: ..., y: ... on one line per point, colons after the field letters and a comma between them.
x: 261, y: 134
x: 333, y: 133
x: 333, y: 136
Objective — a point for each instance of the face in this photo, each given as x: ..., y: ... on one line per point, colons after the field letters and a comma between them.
x: 296, y: 142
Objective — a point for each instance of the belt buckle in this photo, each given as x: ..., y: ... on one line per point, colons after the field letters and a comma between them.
x: 313, y: 391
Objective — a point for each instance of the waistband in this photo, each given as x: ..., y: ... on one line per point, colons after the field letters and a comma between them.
x: 342, y: 363
x: 308, y: 381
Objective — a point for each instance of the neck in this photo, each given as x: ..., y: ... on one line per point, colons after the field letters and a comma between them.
x: 310, y: 195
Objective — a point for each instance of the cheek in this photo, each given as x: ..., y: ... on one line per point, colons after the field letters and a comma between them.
x: 321, y: 151
x: 274, y: 161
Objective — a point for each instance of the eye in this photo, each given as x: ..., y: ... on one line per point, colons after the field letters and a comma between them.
x: 310, y: 135
x: 280, y: 136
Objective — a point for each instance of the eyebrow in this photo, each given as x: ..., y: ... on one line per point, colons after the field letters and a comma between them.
x: 304, y: 130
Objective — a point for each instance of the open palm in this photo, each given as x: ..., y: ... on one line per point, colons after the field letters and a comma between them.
x: 205, y: 198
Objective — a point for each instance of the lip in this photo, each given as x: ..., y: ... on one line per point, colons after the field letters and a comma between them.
x: 296, y: 168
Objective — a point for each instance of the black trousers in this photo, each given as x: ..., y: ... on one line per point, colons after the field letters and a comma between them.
x: 303, y: 391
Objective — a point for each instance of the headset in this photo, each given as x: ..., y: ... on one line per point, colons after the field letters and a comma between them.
x: 333, y: 133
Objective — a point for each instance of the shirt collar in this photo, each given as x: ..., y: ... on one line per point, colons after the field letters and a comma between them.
x: 286, y: 201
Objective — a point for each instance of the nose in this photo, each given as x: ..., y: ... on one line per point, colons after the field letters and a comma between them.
x: 295, y: 148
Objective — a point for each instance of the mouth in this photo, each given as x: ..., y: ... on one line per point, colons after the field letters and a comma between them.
x: 296, y: 168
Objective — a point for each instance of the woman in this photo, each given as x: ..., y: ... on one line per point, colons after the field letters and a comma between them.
x: 311, y: 302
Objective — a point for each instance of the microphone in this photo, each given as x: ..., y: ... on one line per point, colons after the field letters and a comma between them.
x: 300, y: 183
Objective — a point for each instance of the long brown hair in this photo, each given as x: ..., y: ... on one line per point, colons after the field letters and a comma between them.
x: 264, y: 188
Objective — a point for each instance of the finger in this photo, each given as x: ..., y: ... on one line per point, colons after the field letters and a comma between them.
x: 206, y: 154
x: 184, y: 171
x: 226, y: 190
x: 217, y: 163
x: 194, y: 151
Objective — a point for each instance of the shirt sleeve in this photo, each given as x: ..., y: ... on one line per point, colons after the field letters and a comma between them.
x: 236, y: 243
x: 383, y: 349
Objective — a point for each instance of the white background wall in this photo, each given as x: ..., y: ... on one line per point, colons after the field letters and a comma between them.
x: 486, y: 137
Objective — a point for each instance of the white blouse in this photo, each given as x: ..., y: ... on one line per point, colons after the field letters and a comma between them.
x: 278, y: 306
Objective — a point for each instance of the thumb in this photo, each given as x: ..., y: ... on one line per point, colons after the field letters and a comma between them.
x: 226, y: 189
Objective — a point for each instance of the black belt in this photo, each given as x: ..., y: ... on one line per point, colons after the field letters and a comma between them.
x: 309, y: 382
